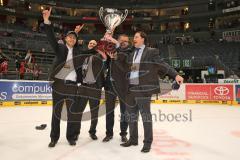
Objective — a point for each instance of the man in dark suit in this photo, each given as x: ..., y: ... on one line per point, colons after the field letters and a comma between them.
x: 142, y: 69
x: 123, y: 47
x: 65, y: 77
x: 92, y: 81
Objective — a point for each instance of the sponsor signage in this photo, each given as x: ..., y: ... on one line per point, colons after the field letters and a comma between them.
x: 25, y: 90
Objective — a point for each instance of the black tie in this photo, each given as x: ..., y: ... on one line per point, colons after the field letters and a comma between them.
x: 136, y: 54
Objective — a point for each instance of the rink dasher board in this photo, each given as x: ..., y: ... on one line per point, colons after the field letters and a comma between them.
x: 25, y: 103
x: 102, y: 102
x: 229, y: 94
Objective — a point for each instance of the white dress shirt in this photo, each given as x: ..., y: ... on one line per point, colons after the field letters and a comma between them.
x: 134, y: 75
x: 72, y: 75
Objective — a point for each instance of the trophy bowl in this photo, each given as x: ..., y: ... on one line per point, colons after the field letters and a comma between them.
x: 111, y: 18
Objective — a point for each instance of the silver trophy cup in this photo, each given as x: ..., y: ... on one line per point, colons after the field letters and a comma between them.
x: 112, y: 18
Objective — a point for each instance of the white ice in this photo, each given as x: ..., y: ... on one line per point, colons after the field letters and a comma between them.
x: 213, y: 134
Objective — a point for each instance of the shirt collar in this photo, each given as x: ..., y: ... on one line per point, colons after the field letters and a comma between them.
x: 69, y: 48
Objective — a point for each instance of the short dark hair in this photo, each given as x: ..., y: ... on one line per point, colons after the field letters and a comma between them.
x: 122, y: 35
x: 143, y: 35
x: 73, y: 33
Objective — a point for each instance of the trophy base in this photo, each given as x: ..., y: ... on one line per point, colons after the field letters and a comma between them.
x: 109, y: 32
x: 106, y: 46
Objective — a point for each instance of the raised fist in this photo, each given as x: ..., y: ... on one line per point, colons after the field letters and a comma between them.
x: 78, y: 28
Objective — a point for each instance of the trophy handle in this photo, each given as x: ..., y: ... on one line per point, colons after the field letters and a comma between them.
x: 125, y: 16
x: 101, y: 14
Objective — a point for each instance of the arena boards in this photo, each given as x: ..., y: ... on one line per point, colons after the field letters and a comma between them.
x: 49, y: 103
x: 38, y: 93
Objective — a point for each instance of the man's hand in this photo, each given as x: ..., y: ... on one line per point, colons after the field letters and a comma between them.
x: 78, y: 28
x: 46, y: 14
x: 103, y: 54
x: 179, y: 79
x: 109, y: 38
x: 112, y: 55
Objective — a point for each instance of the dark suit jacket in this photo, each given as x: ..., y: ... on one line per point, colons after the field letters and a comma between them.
x: 118, y: 72
x: 98, y: 69
x: 61, y: 52
x: 151, y: 67
x: 109, y: 64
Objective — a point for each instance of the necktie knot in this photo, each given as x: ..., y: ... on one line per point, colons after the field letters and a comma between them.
x: 137, y: 49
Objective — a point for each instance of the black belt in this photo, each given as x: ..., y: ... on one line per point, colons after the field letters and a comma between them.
x: 69, y: 82
x: 65, y: 81
x: 89, y: 84
x: 133, y: 85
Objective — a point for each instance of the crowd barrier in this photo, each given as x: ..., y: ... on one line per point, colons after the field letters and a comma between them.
x: 38, y: 93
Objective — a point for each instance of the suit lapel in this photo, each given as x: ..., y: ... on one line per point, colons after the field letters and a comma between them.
x: 144, y: 54
x: 131, y: 56
x: 65, y: 53
x: 76, y: 58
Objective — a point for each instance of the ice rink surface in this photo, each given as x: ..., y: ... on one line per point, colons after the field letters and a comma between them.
x: 208, y: 132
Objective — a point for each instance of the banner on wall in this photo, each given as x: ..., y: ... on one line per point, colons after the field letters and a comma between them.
x: 210, y: 92
x: 174, y: 94
x: 25, y: 90
x: 229, y: 81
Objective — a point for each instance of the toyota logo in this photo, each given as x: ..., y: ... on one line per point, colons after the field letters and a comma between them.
x: 221, y: 91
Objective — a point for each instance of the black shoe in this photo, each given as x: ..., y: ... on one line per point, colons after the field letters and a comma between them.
x: 107, y: 138
x: 145, y: 149
x: 75, y: 138
x: 93, y: 136
x: 72, y: 142
x: 124, y: 139
x: 52, y: 144
x: 128, y: 144
x: 41, y: 127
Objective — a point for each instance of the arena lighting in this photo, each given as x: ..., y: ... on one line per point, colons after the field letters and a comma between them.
x: 42, y: 8
x: 187, y: 25
x: 1, y: 2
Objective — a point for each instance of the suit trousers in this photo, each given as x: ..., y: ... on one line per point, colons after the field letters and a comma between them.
x: 94, y: 108
x: 111, y: 97
x: 142, y: 105
x: 61, y: 93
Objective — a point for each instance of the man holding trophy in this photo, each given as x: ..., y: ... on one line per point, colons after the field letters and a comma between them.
x: 110, y: 87
x: 141, y: 70
x: 111, y: 18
